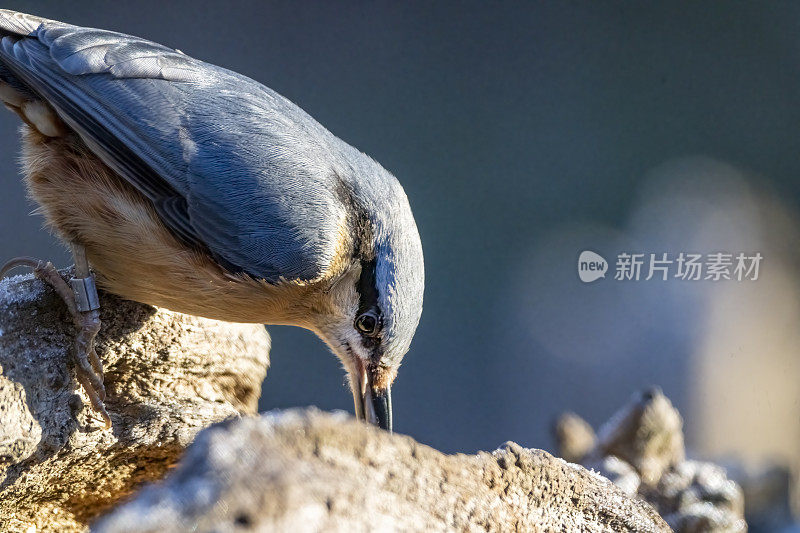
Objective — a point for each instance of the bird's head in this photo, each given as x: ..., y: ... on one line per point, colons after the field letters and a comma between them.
x: 374, y: 306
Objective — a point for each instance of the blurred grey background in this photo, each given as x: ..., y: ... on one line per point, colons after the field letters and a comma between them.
x: 524, y: 134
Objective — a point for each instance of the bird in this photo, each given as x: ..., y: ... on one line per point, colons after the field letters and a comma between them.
x: 184, y: 185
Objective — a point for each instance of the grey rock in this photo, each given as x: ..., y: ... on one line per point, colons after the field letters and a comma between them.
x: 641, y: 450
x: 618, y: 472
x: 311, y: 471
x: 698, y: 497
x: 647, y: 433
x: 574, y: 436
x: 167, y: 376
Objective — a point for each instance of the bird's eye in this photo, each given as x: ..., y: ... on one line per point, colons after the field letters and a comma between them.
x: 367, y: 323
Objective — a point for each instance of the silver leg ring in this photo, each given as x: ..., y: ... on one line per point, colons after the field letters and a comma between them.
x: 85, y: 293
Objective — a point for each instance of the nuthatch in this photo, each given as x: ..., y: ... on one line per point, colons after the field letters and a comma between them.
x: 194, y: 188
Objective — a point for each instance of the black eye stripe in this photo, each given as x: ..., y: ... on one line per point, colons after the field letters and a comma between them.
x: 367, y: 287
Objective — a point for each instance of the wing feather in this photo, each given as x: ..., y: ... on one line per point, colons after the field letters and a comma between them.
x: 229, y: 164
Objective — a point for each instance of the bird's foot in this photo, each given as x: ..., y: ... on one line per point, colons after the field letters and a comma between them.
x: 80, y: 297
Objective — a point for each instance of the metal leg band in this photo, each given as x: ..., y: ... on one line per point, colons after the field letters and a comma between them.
x: 85, y: 291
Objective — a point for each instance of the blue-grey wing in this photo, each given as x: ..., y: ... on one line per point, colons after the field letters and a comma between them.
x: 228, y: 163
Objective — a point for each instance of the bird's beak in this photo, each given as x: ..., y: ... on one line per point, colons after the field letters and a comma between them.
x: 379, y: 410
x: 373, y: 404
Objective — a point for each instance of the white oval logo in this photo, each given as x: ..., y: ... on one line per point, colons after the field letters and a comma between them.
x: 591, y: 266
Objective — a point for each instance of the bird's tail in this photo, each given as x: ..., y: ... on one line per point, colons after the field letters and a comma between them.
x: 14, y: 93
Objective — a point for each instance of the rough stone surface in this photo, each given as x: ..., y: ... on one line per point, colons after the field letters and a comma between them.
x: 311, y: 471
x: 167, y: 376
x: 641, y: 450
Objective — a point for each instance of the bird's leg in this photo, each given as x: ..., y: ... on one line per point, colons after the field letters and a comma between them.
x: 80, y: 297
x: 87, y: 320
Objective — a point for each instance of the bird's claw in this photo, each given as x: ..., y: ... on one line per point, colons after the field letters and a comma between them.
x: 89, y: 368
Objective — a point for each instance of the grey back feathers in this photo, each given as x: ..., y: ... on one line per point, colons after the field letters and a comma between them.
x: 229, y: 164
